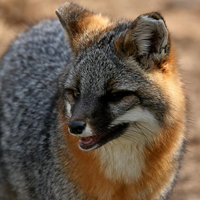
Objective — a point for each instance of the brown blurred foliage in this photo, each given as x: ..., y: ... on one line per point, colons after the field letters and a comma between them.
x: 15, y: 15
x: 18, y: 12
x: 183, y: 20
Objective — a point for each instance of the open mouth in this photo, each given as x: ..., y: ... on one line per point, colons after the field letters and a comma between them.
x: 93, y: 142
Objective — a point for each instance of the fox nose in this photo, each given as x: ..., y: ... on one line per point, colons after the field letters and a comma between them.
x: 76, y: 127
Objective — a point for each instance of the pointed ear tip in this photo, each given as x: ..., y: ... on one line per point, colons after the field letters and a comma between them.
x: 59, y: 15
x: 155, y: 15
x: 63, y: 7
x: 62, y: 10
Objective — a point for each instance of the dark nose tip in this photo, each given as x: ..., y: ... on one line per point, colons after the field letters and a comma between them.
x: 76, y: 127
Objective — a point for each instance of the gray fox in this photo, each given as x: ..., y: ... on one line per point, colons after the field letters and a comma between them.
x: 91, y: 110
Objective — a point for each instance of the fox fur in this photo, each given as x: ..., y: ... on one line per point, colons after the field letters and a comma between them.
x: 91, y: 109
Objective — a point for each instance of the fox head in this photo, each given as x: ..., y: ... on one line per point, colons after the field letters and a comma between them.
x: 122, y: 82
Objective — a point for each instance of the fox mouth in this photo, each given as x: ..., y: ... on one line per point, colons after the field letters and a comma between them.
x: 95, y: 141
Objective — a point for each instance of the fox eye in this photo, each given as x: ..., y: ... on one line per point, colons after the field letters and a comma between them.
x: 72, y: 94
x: 117, y: 96
x: 76, y: 94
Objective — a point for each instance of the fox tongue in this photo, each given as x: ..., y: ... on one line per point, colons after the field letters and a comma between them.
x: 85, y: 142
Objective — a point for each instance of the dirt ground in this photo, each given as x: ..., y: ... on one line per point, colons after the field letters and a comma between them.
x: 183, y: 21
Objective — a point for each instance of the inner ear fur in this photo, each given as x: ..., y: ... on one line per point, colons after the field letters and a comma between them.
x: 82, y: 27
x: 146, y: 41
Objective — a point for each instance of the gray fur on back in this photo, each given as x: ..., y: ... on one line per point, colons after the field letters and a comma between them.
x: 28, y: 86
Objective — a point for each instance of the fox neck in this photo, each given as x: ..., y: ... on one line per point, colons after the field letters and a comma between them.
x: 121, y: 160
x: 102, y: 174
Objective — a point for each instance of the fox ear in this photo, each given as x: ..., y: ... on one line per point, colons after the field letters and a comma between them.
x: 146, y: 41
x: 82, y: 26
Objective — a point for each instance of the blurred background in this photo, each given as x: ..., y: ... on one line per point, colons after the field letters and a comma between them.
x: 183, y: 21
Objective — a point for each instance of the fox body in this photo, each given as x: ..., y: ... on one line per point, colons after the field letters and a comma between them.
x: 99, y: 115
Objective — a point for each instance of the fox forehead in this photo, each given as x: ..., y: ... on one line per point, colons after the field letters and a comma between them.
x: 101, y: 70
